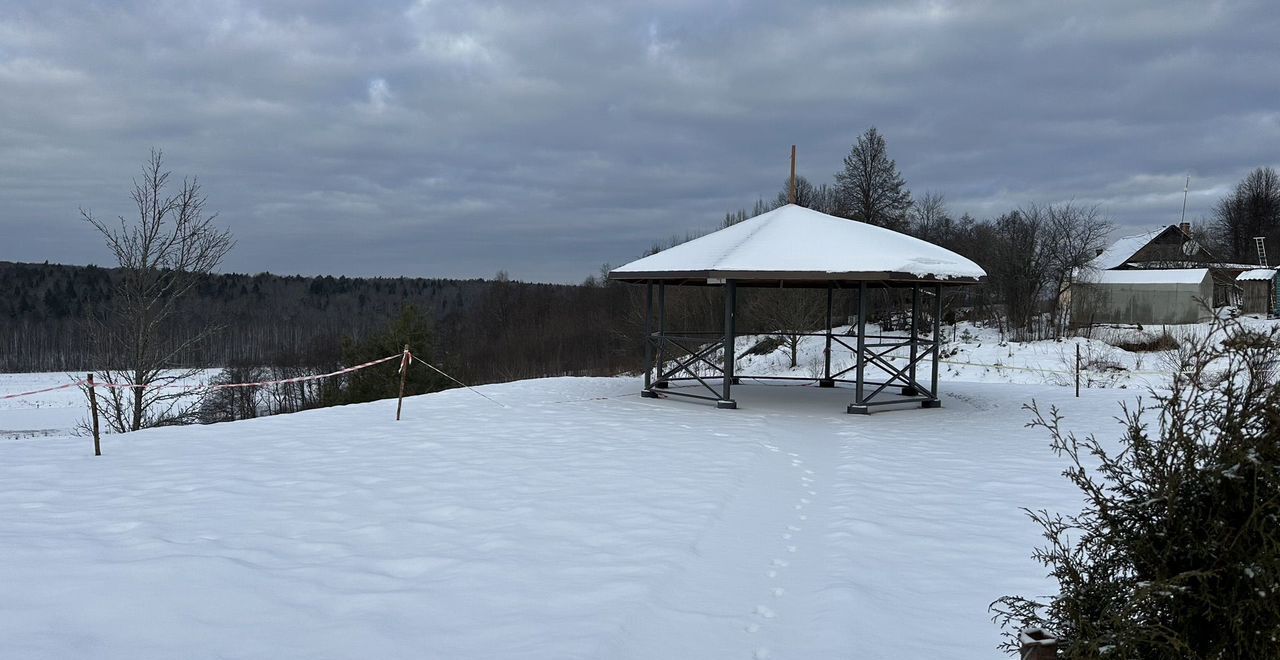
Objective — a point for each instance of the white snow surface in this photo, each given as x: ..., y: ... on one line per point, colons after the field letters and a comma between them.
x: 579, y: 521
x: 1150, y: 276
x: 1123, y: 249
x: 50, y: 413
x: 797, y: 239
x: 1257, y: 274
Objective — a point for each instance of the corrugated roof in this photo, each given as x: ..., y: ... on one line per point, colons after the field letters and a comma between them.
x: 1257, y: 274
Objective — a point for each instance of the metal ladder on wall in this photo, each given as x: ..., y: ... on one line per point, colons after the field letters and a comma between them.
x: 1273, y: 310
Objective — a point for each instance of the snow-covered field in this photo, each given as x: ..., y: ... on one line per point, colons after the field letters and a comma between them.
x: 50, y: 413
x: 576, y: 521
x: 55, y: 413
x: 979, y: 354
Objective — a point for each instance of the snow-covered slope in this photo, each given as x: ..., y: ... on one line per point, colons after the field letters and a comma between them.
x: 579, y: 521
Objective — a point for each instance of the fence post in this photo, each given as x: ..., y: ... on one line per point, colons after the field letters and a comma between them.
x: 93, y: 407
x: 1077, y: 370
x: 404, y: 374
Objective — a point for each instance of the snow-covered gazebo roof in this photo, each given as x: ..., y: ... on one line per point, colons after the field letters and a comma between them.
x: 796, y: 245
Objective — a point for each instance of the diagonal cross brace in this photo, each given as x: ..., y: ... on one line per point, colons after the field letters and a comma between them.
x: 683, y: 365
x: 700, y: 355
x: 898, y: 374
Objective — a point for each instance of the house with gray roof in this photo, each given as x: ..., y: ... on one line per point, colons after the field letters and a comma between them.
x: 1156, y: 277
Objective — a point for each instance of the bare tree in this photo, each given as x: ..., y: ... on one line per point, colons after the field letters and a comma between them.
x: 821, y: 198
x: 789, y: 314
x: 1017, y: 267
x: 929, y: 218
x: 1252, y: 209
x: 1033, y: 254
x: 1072, y: 237
x: 162, y: 254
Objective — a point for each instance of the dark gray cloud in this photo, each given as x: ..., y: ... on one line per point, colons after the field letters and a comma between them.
x: 457, y: 138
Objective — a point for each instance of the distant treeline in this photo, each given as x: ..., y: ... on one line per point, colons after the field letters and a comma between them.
x: 485, y: 330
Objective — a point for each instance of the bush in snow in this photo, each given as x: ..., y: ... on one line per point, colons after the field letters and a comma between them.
x: 411, y: 328
x: 1176, y: 553
x: 230, y: 404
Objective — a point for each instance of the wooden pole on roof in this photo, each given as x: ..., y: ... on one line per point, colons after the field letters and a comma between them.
x: 792, y: 196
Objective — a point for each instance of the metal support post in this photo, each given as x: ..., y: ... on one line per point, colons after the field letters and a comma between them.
x: 859, y: 404
x: 936, y: 402
x: 826, y: 372
x: 648, y: 339
x: 910, y: 389
x: 730, y: 307
x: 661, y: 340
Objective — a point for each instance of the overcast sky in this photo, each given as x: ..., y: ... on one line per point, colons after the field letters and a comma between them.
x: 456, y: 138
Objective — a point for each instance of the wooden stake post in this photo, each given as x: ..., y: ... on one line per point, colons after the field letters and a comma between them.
x: 404, y: 374
x: 93, y: 407
x: 1077, y: 371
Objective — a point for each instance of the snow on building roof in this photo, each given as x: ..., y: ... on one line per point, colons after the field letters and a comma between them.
x: 1149, y: 276
x: 1257, y: 274
x: 794, y: 242
x: 1123, y: 249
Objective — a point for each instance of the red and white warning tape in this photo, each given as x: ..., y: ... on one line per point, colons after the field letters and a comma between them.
x: 404, y: 358
x: 201, y: 388
x: 47, y: 389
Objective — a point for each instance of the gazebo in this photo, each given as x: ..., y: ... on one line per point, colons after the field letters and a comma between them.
x: 794, y: 247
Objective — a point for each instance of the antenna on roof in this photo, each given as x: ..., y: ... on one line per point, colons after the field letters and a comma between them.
x: 791, y: 197
x: 1185, y: 190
